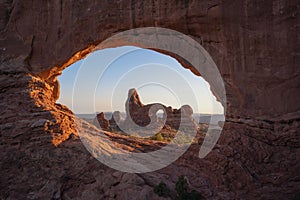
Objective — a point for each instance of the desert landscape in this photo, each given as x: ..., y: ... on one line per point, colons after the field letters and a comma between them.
x: 44, y: 146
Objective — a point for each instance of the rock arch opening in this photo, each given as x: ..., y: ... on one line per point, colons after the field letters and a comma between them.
x: 257, y: 59
x: 136, y: 67
x: 184, y: 51
x: 143, y: 69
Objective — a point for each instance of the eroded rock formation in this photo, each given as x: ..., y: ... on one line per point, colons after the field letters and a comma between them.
x: 102, y: 121
x: 255, y: 46
x: 143, y: 115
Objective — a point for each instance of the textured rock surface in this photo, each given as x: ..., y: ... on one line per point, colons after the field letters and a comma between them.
x: 255, y: 45
x: 145, y: 115
x: 252, y: 46
x: 142, y: 114
x: 102, y: 121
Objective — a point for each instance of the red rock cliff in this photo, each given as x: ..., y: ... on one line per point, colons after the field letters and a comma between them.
x: 255, y: 45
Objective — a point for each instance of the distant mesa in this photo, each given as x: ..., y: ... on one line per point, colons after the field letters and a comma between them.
x: 146, y: 115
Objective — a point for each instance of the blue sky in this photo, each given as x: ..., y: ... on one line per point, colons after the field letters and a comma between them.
x: 100, y: 82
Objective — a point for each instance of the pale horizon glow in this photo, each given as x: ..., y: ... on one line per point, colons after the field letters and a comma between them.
x: 146, y: 68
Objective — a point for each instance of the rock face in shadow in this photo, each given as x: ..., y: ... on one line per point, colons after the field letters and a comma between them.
x: 255, y: 46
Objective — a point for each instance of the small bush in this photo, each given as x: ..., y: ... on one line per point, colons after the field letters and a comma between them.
x: 182, y: 189
x: 162, y: 190
x: 195, y: 195
x: 183, y: 138
x: 157, y: 137
x: 181, y: 186
x: 297, y: 196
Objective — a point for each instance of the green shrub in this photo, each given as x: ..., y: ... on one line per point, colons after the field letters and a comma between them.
x: 297, y: 196
x: 195, y: 195
x: 183, y: 138
x: 182, y: 189
x: 181, y: 186
x: 162, y: 190
x: 157, y: 137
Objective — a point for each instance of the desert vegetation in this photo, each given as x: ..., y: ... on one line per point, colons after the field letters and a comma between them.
x: 183, y: 192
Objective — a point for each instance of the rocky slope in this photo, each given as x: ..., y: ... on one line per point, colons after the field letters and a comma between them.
x: 255, y: 45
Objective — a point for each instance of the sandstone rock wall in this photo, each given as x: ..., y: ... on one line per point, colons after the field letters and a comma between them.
x: 255, y: 45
